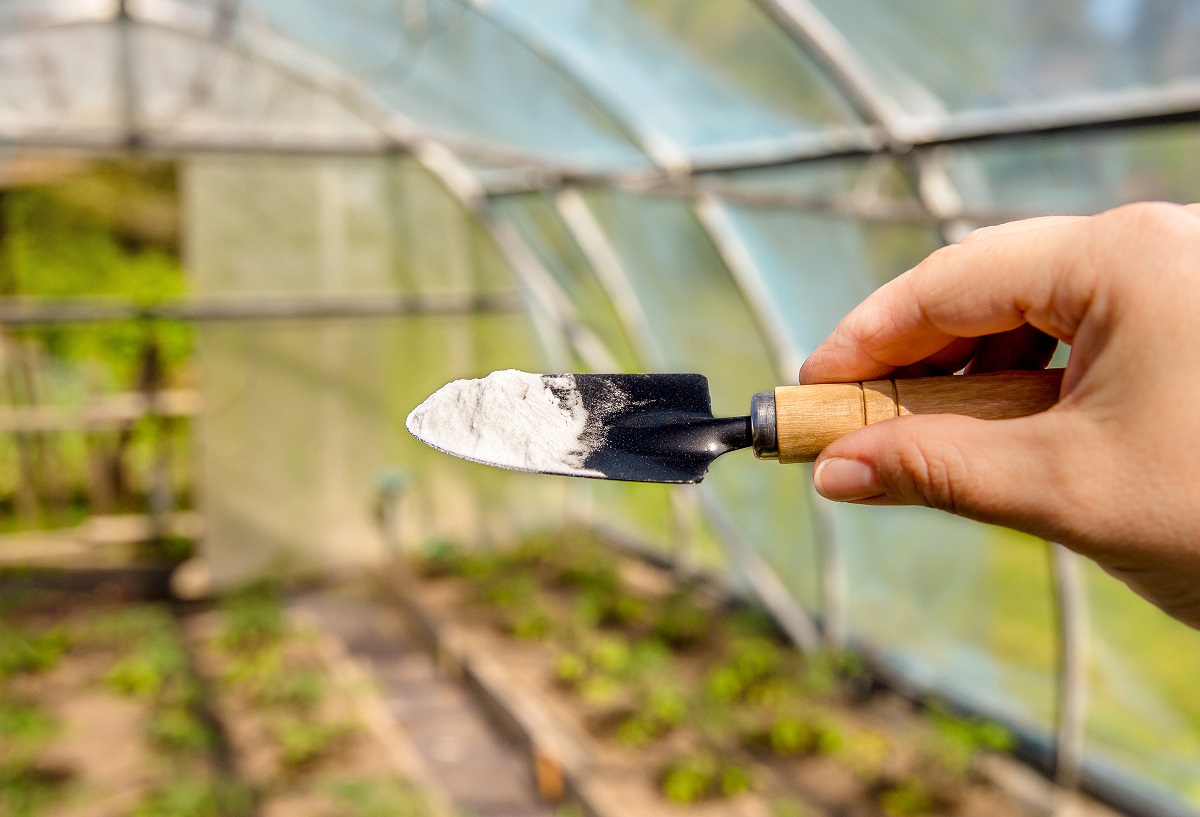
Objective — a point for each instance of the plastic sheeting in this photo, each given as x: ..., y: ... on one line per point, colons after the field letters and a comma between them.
x: 304, y: 419
x: 734, y: 274
x: 942, y: 57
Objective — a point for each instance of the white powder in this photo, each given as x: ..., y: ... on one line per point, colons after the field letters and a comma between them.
x: 528, y: 422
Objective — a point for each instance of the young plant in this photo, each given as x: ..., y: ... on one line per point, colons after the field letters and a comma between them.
x: 24, y: 730
x: 700, y: 775
x: 179, y: 729
x: 789, y: 735
x: 864, y: 752
x: 956, y: 741
x: 439, y: 558
x: 682, y: 621
x: 375, y: 798
x: 253, y: 619
x: 191, y: 797
x: 690, y: 778
x: 302, y: 741
x: 660, y: 711
x: 908, y: 798
x: 24, y: 652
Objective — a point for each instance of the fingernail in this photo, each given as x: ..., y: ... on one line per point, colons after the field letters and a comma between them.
x: 846, y: 480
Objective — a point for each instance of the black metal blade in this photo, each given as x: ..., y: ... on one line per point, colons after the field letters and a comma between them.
x: 658, y: 427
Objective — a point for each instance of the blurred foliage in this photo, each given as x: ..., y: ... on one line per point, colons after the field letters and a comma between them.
x: 909, y: 798
x: 302, y: 740
x: 154, y: 667
x: 111, y: 231
x: 24, y: 729
x: 30, y: 652
x: 253, y: 618
x: 196, y: 797
x: 375, y: 798
x: 703, y: 774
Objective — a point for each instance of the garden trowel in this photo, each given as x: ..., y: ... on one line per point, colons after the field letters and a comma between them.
x: 660, y: 427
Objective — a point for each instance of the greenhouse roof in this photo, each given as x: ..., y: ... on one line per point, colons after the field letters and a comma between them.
x: 649, y: 169
x: 668, y: 85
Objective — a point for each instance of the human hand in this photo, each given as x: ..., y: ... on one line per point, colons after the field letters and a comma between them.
x: 1113, y: 470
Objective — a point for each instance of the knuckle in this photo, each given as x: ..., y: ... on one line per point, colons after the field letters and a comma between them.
x: 928, y: 471
x: 1150, y: 219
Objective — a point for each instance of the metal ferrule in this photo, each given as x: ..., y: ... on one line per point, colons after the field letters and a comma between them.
x: 762, y: 426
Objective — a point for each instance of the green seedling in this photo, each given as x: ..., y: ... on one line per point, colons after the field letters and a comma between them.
x: 375, y: 798
x: 956, y: 740
x: 864, y: 752
x: 650, y: 657
x: 610, y: 654
x: 24, y: 730
x: 586, y: 612
x: 723, y: 684
x: 179, y: 729
x: 789, y: 807
x: 301, y: 741
x: 196, y: 798
x: 439, y: 557
x: 22, y: 652
x: 599, y: 690
x: 509, y: 592
x: 530, y: 625
x: 136, y: 676
x: 536, y: 550
x: 735, y: 780
x: 753, y: 659
x: 752, y: 622
x: 789, y: 736
x: 773, y: 693
x: 607, y: 608
x: 636, y: 732
x: 156, y: 660
x: 570, y: 668
x: 277, y: 686
x: 28, y: 792
x: 131, y: 625
x: 825, y: 672
x: 666, y: 706
x: 831, y: 739
x: 662, y: 710
x: 622, y: 610
x: 690, y: 779
x: 909, y: 798
x: 253, y: 619
x: 483, y: 566
x: 682, y: 621
x: 700, y: 775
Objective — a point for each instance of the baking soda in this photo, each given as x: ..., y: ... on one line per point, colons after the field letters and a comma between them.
x: 528, y: 422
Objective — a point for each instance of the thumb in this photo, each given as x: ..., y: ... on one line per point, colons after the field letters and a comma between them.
x: 1002, y: 471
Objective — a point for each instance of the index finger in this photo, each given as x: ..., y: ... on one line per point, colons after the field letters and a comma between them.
x: 996, y: 280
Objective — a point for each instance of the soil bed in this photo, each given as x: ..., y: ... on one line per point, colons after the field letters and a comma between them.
x: 111, y: 708
x: 679, y: 702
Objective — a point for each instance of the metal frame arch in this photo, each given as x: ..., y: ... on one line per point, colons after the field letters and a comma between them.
x: 606, y: 263
x: 747, y: 276
x: 538, y: 286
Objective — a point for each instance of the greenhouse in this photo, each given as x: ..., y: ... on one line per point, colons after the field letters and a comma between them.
x: 376, y: 197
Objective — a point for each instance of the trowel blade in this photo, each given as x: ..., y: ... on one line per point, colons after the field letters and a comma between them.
x: 637, y: 427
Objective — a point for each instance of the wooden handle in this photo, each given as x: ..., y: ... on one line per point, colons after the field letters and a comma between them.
x: 808, y: 418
